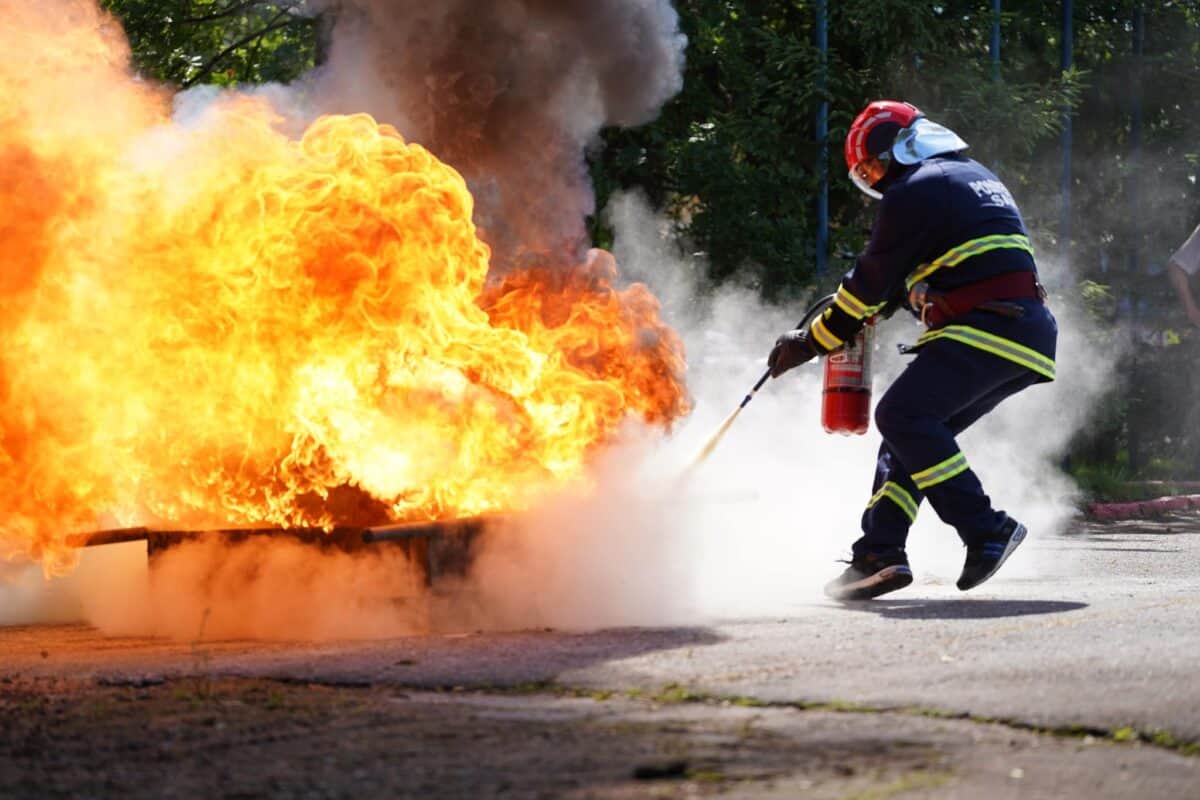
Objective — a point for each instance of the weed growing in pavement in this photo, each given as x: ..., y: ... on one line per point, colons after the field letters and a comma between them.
x: 99, y: 708
x: 919, y: 780
x: 202, y: 658
x: 707, y: 776
x: 674, y: 693
x: 745, y: 702
x: 1125, y: 734
x: 201, y: 655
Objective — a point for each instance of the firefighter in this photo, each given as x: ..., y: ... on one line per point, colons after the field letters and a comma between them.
x: 949, y: 243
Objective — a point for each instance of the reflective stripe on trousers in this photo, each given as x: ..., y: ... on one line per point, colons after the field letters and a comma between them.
x: 897, y: 494
x: 996, y: 345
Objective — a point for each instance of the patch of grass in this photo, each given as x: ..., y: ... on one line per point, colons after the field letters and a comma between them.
x: 745, y: 702
x: 917, y: 781
x: 707, y: 776
x: 531, y: 687
x: 1125, y: 734
x: 934, y: 713
x: 100, y: 708
x: 1114, y: 482
x: 543, y: 687
x: 1165, y: 739
x: 1106, y: 483
x: 675, y: 693
x: 843, y: 707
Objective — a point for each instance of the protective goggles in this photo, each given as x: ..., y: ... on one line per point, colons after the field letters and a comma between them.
x: 869, y: 172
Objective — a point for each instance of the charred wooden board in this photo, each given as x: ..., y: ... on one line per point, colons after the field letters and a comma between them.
x: 438, y: 547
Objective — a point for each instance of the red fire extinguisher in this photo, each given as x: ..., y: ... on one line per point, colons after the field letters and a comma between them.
x: 846, y: 397
x: 846, y: 401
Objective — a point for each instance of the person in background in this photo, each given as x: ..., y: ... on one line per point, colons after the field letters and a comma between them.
x: 948, y: 242
x: 1183, y: 266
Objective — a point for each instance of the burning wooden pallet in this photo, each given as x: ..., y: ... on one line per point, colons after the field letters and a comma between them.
x: 437, y: 548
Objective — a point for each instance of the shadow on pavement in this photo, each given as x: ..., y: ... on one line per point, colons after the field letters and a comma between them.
x: 964, y: 608
x: 433, y: 661
x: 1136, y: 549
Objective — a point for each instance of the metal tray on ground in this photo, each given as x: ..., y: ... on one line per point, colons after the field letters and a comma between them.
x: 436, y: 548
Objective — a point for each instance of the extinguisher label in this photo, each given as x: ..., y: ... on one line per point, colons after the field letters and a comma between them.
x: 849, y: 368
x: 848, y: 356
x: 845, y: 378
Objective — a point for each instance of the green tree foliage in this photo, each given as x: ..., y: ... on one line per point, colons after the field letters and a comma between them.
x: 734, y: 158
x: 1137, y: 183
x: 224, y: 42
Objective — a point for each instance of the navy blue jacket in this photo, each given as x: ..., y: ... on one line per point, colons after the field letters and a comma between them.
x: 949, y: 221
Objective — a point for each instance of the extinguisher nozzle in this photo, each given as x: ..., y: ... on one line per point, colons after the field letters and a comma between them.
x: 750, y: 396
x: 818, y: 308
x: 715, y: 439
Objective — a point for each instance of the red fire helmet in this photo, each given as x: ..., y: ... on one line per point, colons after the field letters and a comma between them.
x: 870, y: 139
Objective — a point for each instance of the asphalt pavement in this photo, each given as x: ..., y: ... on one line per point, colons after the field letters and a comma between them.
x: 1106, y: 650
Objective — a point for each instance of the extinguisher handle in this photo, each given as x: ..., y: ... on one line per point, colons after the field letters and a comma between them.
x: 816, y: 310
x: 813, y: 312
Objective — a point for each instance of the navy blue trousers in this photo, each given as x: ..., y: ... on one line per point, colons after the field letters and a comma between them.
x: 941, y: 393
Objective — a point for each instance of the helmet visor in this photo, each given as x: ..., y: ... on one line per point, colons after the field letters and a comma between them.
x: 867, y: 173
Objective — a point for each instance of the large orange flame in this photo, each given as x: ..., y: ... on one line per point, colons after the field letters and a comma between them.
x: 222, y: 325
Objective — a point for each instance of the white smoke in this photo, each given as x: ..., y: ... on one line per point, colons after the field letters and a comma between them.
x: 757, y: 528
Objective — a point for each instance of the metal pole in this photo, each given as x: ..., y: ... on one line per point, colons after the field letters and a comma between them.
x: 994, y: 47
x: 1068, y: 45
x: 1135, y: 136
x: 822, y: 41
x: 1133, y: 186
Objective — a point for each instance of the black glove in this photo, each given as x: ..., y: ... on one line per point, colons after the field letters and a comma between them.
x: 791, y: 350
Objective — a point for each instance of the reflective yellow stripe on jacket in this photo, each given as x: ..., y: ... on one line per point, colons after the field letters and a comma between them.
x: 825, y: 337
x: 956, y: 255
x: 853, y: 306
x: 996, y: 345
x: 896, y: 493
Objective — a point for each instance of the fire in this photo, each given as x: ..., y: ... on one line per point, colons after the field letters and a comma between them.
x: 220, y: 324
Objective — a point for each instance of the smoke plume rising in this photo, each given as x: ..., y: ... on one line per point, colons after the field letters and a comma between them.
x: 509, y: 92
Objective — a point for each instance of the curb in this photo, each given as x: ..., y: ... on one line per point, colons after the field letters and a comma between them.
x: 1109, y: 512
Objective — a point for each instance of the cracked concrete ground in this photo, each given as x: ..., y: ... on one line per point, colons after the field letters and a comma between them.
x: 234, y: 737
x: 1063, y: 685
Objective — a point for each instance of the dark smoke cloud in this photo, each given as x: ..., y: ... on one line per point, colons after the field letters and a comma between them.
x: 509, y: 92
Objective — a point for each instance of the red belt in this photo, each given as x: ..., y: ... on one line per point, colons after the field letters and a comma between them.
x: 941, y: 307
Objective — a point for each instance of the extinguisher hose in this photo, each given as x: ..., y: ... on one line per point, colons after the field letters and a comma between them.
x: 813, y: 312
x: 817, y: 309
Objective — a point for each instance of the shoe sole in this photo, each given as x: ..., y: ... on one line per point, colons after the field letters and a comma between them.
x: 888, y: 579
x: 1014, y: 542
